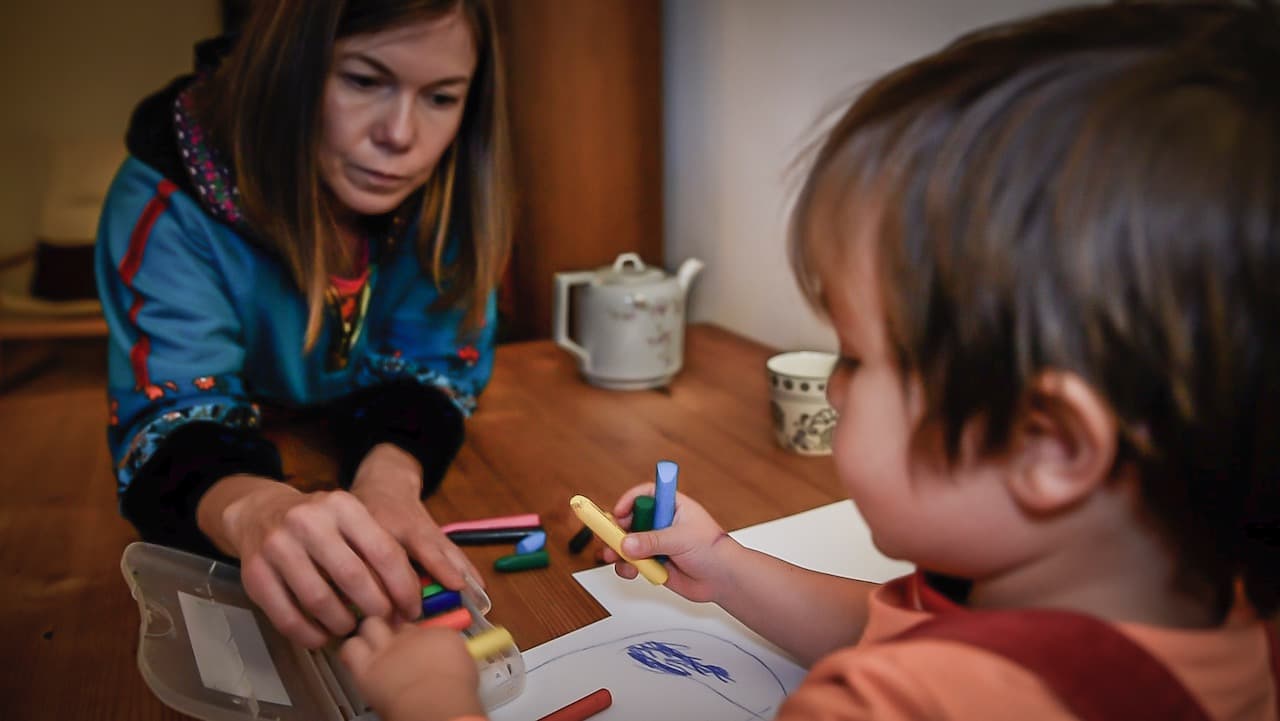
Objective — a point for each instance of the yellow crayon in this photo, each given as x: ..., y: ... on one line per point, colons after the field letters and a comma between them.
x: 608, y: 530
x: 489, y: 643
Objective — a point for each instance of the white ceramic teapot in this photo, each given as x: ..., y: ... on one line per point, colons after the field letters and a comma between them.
x: 629, y: 322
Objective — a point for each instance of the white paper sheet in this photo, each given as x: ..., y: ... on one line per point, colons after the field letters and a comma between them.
x: 230, y: 652
x: 711, y: 669
x: 648, y: 620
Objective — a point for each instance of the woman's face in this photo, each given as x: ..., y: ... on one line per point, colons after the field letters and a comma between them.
x: 393, y: 103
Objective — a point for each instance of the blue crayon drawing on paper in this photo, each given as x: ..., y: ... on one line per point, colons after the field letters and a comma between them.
x: 668, y: 658
x: 680, y: 672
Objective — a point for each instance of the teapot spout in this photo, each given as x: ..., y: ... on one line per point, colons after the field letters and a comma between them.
x: 688, y: 271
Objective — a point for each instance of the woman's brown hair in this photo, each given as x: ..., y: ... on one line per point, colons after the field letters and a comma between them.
x: 1094, y: 190
x: 263, y: 109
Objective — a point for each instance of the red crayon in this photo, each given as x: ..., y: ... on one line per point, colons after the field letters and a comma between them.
x: 584, y: 708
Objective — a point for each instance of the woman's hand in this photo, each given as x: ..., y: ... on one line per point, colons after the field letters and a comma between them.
x: 413, y: 673
x: 296, y: 548
x: 389, y: 482
x: 698, y: 549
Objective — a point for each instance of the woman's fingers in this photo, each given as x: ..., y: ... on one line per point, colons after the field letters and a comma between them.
x: 441, y: 557
x: 300, y: 567
x: 384, y: 556
x: 268, y: 591
x: 431, y: 553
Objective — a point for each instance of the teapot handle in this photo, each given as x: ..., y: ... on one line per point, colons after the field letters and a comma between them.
x: 625, y: 259
x: 560, y: 315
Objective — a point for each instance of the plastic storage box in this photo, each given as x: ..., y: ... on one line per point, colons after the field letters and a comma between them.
x: 206, y: 650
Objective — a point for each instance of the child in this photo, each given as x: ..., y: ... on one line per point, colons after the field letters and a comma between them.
x: 1048, y: 251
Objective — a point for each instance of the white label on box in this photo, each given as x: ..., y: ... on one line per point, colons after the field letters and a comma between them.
x: 231, y: 654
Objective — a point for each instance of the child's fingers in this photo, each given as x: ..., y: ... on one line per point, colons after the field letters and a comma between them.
x: 653, y: 543
x: 647, y: 543
x: 625, y: 570
x: 356, y: 654
x: 622, y: 508
x: 376, y: 632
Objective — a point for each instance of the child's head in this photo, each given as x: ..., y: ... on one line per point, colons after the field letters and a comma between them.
x: 335, y: 112
x: 1054, y: 247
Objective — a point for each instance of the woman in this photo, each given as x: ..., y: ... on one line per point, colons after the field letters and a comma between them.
x: 316, y: 219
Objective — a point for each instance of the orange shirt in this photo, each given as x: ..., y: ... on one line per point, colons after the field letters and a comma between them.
x: 1227, y: 669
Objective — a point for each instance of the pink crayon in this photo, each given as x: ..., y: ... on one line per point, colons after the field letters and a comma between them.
x: 523, y: 520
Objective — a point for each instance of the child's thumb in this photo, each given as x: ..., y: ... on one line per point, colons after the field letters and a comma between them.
x: 642, y: 545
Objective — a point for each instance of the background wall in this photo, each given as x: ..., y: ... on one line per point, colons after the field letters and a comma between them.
x: 72, y: 72
x: 748, y: 84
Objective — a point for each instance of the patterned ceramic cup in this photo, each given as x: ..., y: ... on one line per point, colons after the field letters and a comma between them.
x: 802, y: 420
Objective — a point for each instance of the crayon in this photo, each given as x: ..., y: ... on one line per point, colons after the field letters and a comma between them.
x: 532, y: 542
x: 580, y: 540
x: 664, y: 495
x: 482, y: 537
x: 608, y: 530
x: 522, y: 561
x: 642, y: 514
x: 431, y: 590
x: 524, y: 520
x: 489, y: 643
x: 584, y: 708
x: 441, y: 602
x: 458, y: 619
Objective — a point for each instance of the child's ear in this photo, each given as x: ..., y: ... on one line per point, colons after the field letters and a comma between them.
x: 1064, y: 445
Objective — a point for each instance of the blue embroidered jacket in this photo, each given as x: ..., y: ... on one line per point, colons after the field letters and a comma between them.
x: 206, y: 326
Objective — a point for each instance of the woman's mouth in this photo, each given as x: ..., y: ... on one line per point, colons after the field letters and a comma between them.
x: 370, y: 179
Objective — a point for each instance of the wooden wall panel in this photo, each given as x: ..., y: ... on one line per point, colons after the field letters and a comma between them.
x: 585, y: 89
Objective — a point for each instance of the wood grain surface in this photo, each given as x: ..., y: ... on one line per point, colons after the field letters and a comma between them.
x: 69, y: 626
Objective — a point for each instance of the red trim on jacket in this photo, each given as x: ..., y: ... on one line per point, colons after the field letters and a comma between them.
x: 129, y: 268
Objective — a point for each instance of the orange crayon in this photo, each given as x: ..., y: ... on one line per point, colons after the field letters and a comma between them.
x: 584, y: 708
x: 458, y: 619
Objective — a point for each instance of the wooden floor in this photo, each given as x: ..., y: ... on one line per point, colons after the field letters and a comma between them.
x: 54, y: 592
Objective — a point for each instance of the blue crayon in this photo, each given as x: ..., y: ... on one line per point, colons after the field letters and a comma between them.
x: 532, y: 542
x: 664, y: 495
x: 440, y: 602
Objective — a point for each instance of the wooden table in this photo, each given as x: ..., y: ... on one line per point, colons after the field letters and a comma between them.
x: 541, y: 435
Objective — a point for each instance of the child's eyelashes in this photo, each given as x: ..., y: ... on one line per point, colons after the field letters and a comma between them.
x: 848, y: 363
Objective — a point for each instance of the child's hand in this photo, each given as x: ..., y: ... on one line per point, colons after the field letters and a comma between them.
x: 698, y: 548
x: 410, y: 673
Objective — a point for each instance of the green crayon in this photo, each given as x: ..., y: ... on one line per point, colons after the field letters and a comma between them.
x: 522, y: 561
x: 642, y: 514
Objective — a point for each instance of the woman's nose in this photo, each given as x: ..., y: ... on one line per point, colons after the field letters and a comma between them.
x: 396, y: 129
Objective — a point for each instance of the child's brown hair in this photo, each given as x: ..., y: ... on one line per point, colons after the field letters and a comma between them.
x: 1095, y: 190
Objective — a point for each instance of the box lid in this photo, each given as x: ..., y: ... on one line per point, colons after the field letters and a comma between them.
x: 205, y: 649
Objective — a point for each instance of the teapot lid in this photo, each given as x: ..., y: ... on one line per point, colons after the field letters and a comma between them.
x: 628, y: 269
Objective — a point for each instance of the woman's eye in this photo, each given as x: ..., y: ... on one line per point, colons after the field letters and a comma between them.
x: 362, y: 82
x: 444, y: 100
